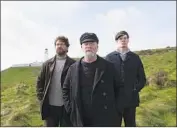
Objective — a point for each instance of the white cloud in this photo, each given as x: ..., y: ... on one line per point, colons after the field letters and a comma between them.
x: 27, y: 29
x: 137, y: 24
x: 115, y: 20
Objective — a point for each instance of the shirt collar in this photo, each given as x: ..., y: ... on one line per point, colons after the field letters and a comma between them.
x: 123, y: 52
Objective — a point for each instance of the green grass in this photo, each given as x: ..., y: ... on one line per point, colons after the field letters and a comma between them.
x: 19, y: 105
x: 14, y: 76
x: 166, y: 61
x: 19, y: 97
x: 157, y: 108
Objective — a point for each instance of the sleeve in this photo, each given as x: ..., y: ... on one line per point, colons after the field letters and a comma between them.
x: 107, y: 58
x: 66, y: 91
x: 118, y: 87
x: 141, y: 77
x: 40, y: 83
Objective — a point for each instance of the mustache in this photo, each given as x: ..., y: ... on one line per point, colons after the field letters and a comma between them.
x: 90, y: 54
x: 60, y: 48
x: 88, y: 50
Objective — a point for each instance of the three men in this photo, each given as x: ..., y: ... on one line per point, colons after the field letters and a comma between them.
x: 94, y: 91
x: 49, y: 85
x: 131, y: 73
x: 91, y: 87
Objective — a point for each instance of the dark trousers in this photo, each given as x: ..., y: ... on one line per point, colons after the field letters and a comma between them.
x: 129, y: 115
x: 55, y: 117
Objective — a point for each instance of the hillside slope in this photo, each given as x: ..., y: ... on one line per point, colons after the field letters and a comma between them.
x: 19, y: 106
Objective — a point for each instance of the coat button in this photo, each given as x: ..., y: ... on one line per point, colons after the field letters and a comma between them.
x: 105, y: 107
x: 102, y: 81
x: 104, y: 93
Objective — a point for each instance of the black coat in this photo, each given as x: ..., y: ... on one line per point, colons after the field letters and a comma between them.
x: 103, y: 96
x: 44, y: 82
x: 134, y: 78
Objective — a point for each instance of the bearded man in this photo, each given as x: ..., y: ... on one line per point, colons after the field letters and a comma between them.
x: 50, y: 83
x: 91, y: 89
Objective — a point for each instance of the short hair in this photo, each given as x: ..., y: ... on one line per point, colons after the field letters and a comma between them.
x: 62, y: 39
x: 121, y: 33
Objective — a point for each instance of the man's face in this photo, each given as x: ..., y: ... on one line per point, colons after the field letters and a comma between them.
x: 122, y: 42
x: 61, y: 48
x: 90, y: 48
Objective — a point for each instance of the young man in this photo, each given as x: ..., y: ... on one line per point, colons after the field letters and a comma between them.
x: 90, y: 89
x: 49, y: 85
x: 130, y: 69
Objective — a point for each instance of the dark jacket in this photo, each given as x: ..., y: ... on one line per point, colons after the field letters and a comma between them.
x: 134, y: 77
x: 44, y: 82
x: 103, y: 96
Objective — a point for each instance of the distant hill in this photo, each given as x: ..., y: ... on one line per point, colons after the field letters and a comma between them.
x: 19, y: 106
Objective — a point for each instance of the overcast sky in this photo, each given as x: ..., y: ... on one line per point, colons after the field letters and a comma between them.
x: 28, y: 27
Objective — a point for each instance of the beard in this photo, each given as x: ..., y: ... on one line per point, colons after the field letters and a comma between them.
x: 61, y: 52
x: 90, y: 55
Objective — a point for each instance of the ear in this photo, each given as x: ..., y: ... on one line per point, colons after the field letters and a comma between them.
x: 97, y: 47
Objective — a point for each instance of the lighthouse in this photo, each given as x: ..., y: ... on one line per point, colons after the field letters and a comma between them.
x: 46, y: 55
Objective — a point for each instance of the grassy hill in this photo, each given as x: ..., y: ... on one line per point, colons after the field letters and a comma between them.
x: 19, y: 106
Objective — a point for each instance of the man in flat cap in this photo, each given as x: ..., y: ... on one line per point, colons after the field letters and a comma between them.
x: 91, y: 89
x: 130, y: 69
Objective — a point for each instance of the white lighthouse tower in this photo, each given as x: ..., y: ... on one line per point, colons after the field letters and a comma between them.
x: 46, y: 55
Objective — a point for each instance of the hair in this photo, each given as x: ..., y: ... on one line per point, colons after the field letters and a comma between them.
x: 63, y: 39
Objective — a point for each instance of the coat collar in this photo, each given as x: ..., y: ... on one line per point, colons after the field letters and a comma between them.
x: 52, y: 63
x: 99, y: 70
x: 127, y: 57
x: 125, y: 52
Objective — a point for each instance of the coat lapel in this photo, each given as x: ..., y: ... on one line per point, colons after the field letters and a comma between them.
x: 67, y: 64
x: 76, y: 75
x: 118, y: 58
x: 52, y: 66
x: 128, y: 56
x: 77, y: 88
x: 98, y: 73
x: 51, y: 69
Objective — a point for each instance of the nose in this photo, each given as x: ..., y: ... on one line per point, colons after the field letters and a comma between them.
x: 59, y: 47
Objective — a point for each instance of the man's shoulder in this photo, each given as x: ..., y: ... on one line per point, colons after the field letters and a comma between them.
x: 74, y: 65
x: 103, y: 60
x: 111, y: 54
x: 134, y: 54
x: 48, y: 61
x: 106, y: 62
x: 71, y: 60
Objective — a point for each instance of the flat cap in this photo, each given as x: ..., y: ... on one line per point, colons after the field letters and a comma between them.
x: 88, y: 37
x: 121, y: 33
